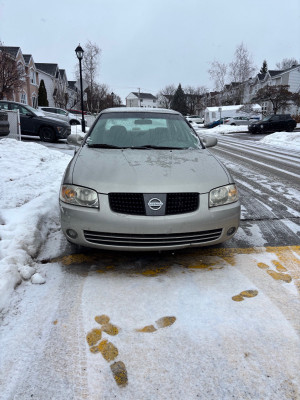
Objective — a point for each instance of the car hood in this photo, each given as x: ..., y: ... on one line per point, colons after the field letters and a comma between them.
x: 146, y: 171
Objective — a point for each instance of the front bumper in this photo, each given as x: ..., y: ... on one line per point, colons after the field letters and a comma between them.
x: 105, y: 229
x: 63, y: 134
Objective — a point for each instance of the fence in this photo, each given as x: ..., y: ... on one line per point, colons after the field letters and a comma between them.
x: 14, y: 124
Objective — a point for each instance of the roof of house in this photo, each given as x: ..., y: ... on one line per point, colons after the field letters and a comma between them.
x: 27, y: 58
x: 71, y: 85
x: 261, y: 76
x: 274, y: 72
x: 50, y: 69
x: 144, y: 95
x: 11, y: 50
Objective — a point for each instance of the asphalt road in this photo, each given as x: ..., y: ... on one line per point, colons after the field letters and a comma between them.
x: 269, y: 187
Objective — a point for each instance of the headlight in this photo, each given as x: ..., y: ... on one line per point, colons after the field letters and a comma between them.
x: 223, y: 195
x: 79, y: 196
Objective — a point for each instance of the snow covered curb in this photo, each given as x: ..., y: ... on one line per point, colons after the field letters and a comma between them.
x: 30, y: 175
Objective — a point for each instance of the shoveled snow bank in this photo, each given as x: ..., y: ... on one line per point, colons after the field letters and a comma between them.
x: 284, y: 140
x: 221, y: 129
x: 30, y: 176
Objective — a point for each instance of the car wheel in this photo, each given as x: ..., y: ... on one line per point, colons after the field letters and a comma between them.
x: 74, y: 122
x: 233, y: 124
x: 47, y: 134
x: 290, y: 129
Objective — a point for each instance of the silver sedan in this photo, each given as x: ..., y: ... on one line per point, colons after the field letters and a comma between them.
x: 143, y: 180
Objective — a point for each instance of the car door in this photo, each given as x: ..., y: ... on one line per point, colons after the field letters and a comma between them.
x: 26, y: 118
x: 274, y: 123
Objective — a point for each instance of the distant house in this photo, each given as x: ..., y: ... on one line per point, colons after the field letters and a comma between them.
x: 138, y: 99
x: 32, y: 80
x: 28, y: 92
x: 51, y: 76
x: 289, y: 77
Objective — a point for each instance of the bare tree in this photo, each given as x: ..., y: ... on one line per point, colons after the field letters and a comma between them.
x: 241, y: 68
x: 90, y: 67
x: 279, y: 96
x: 218, y: 72
x: 11, y: 75
x: 165, y: 96
x: 103, y: 98
x: 287, y: 63
x: 194, y: 98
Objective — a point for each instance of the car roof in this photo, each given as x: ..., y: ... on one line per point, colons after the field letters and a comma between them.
x: 140, y: 109
x: 14, y: 102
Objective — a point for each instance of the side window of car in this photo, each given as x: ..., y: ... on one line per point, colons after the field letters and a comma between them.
x: 21, y: 109
x: 3, y: 106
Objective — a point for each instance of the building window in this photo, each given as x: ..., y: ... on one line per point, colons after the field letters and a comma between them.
x: 32, y: 77
x: 23, y: 98
x: 34, y: 100
x: 264, y: 108
x: 21, y: 71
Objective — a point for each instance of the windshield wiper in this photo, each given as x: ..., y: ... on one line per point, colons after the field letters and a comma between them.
x: 104, y: 146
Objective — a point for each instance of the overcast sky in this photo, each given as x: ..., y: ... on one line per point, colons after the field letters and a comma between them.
x: 149, y: 44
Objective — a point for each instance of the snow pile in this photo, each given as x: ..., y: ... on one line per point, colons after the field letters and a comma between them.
x: 284, y: 140
x: 30, y: 176
x: 222, y: 129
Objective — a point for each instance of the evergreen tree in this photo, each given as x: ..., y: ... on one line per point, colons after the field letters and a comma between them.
x: 264, y: 68
x: 179, y: 101
x: 42, y: 99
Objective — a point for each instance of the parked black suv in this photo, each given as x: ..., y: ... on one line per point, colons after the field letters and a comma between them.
x: 4, y: 124
x: 273, y: 123
x: 35, y: 123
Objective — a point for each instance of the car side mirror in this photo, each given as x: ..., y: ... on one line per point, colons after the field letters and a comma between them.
x: 29, y: 114
x: 75, y: 139
x: 209, y: 141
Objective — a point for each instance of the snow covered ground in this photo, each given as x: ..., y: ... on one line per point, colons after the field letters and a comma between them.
x: 284, y: 140
x: 213, y: 349
x: 30, y: 176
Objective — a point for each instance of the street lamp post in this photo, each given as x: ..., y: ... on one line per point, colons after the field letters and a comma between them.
x: 79, y: 53
x: 112, y: 99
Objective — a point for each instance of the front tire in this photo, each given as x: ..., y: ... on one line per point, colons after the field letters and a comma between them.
x: 47, y: 134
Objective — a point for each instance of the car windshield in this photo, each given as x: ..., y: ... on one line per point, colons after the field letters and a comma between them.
x: 144, y: 130
x: 267, y: 118
x: 36, y: 112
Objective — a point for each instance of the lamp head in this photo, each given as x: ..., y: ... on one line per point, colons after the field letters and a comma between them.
x: 79, y: 52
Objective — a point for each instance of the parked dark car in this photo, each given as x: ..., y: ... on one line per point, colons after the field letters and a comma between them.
x: 273, y: 123
x: 35, y: 123
x: 215, y: 123
x: 4, y: 124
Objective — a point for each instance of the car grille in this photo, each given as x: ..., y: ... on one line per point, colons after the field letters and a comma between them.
x: 133, y: 240
x: 127, y: 203
x: 134, y: 203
